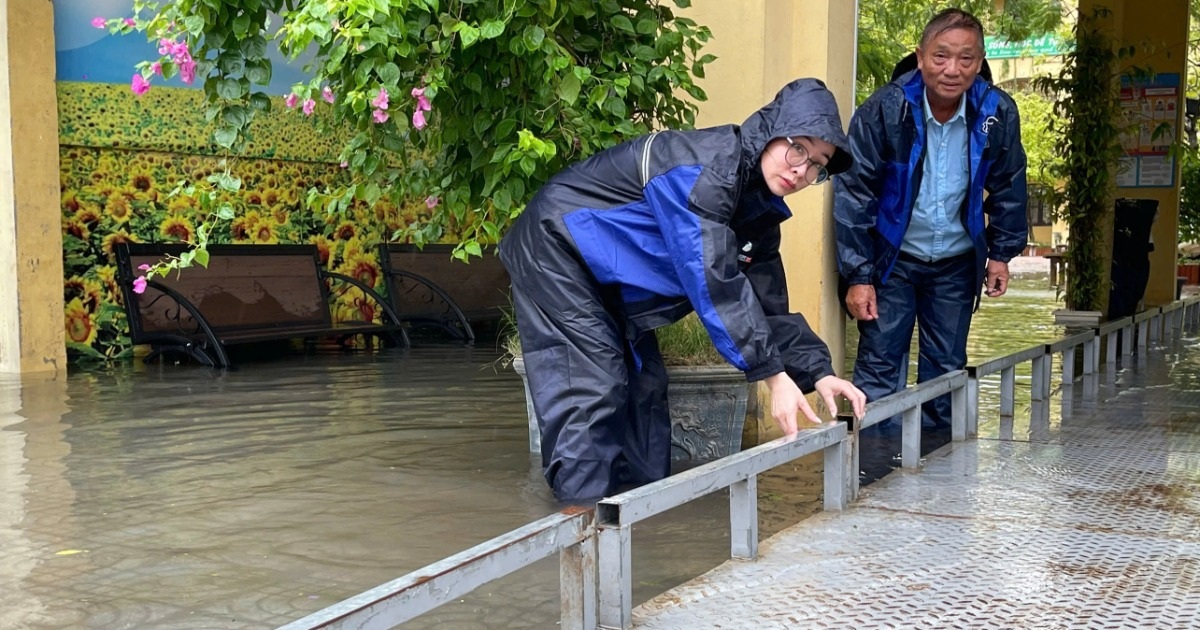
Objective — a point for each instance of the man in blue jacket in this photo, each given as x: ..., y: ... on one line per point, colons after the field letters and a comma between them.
x: 933, y: 152
x: 639, y: 235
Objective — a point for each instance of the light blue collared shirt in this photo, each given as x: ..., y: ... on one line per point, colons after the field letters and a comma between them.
x: 936, y: 230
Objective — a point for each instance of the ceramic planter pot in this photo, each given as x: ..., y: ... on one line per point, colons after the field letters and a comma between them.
x: 708, y: 411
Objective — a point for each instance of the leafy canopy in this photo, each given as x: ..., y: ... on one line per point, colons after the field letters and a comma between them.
x: 511, y: 91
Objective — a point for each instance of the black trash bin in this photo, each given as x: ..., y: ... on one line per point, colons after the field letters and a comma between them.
x: 1131, y: 255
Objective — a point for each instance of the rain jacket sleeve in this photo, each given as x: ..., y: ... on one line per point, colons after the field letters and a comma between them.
x: 805, y: 356
x: 857, y: 193
x: 694, y: 221
x: 1007, y: 229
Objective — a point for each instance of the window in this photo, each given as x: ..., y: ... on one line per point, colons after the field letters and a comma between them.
x: 1039, y: 209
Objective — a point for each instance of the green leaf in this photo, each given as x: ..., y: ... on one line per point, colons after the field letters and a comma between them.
x: 568, y: 89
x: 491, y: 29
x: 533, y: 36
x: 473, y: 248
x: 226, y: 212
x: 260, y: 102
x: 646, y: 26
x: 230, y: 89
x: 226, y: 136
x: 202, y: 257
x: 254, y: 47
x: 241, y: 25
x: 473, y: 82
x: 236, y: 116
x: 193, y: 24
x: 505, y: 128
x: 622, y: 22
x: 259, y: 71
x: 389, y: 73
x: 469, y: 35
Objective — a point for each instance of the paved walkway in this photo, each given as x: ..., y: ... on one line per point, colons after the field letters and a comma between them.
x: 1086, y: 517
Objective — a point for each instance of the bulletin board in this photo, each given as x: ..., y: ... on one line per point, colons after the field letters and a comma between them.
x: 1151, y: 109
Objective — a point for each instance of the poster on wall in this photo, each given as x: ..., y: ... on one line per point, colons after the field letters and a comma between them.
x: 1151, y: 109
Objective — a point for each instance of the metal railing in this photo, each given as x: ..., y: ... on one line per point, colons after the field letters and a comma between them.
x: 615, y: 516
x: 569, y: 533
x: 595, y: 547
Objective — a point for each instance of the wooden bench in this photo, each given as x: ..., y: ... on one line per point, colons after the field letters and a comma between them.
x: 433, y: 292
x: 248, y: 293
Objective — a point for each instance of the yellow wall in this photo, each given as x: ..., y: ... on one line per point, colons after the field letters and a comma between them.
x: 31, y: 313
x: 761, y: 45
x: 1160, y: 35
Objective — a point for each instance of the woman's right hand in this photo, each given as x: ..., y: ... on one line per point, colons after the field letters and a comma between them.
x: 786, y: 400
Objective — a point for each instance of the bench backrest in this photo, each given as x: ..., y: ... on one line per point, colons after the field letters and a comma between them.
x: 244, y: 287
x: 479, y: 288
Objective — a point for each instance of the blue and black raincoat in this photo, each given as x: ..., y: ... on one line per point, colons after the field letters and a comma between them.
x: 632, y: 239
x: 874, y: 199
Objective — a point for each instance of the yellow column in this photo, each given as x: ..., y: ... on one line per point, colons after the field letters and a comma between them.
x: 760, y: 46
x: 31, y: 273
x: 1160, y: 36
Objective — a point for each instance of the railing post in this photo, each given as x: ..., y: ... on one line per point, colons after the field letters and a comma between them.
x: 1008, y: 387
x: 743, y: 518
x: 615, y: 563
x: 1177, y: 322
x: 1127, y: 340
x: 835, y: 476
x: 910, y: 438
x: 850, y: 456
x: 1091, y: 355
x: 972, y: 405
x: 1143, y: 336
x: 958, y: 413
x: 1156, y: 327
x: 1068, y: 366
x: 1110, y: 347
x: 577, y: 585
x: 1038, y: 375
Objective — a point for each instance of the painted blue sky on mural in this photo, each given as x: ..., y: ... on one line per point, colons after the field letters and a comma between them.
x: 86, y: 53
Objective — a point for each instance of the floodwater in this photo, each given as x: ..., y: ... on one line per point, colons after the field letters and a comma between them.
x: 183, y: 497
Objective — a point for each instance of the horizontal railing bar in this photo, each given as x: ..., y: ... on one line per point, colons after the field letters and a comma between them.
x: 1149, y: 313
x: 995, y: 364
x: 1070, y: 342
x: 427, y: 588
x: 1108, y: 328
x: 654, y: 498
x: 893, y: 404
x: 1171, y: 306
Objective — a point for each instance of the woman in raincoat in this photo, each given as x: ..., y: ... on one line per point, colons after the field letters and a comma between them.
x: 639, y: 235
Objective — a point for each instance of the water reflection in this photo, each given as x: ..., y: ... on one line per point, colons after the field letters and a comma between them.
x: 189, y: 498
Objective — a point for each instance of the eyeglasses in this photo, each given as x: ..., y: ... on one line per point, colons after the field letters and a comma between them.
x: 797, y: 156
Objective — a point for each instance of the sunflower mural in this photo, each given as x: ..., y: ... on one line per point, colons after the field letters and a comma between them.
x: 121, y: 159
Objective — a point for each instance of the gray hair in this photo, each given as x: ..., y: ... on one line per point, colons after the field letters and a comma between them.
x: 948, y: 20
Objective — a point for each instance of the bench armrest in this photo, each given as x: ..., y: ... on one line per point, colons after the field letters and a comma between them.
x: 453, y: 312
x: 388, y: 311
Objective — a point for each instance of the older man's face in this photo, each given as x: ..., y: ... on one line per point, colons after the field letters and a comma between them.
x: 949, y: 62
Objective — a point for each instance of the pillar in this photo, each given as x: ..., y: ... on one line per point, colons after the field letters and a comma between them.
x: 31, y: 273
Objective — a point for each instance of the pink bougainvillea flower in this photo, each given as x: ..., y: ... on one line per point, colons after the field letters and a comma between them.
x: 139, y: 85
x: 344, y: 164
x: 309, y: 106
x: 380, y: 116
x: 187, y: 71
x: 143, y: 267
x: 431, y: 202
x: 164, y: 46
x: 156, y: 67
x: 139, y: 284
x: 419, y: 119
x: 130, y: 22
x: 422, y: 101
x: 99, y: 22
x: 290, y: 100
x: 381, y: 100
x: 327, y: 94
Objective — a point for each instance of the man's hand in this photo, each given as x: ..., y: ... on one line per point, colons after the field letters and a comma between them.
x: 860, y: 300
x: 830, y: 387
x: 786, y: 400
x: 997, y: 278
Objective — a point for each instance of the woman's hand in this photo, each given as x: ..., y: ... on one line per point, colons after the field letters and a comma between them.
x: 786, y: 400
x: 831, y: 387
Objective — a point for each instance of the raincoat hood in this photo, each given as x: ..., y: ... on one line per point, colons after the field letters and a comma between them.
x: 804, y: 107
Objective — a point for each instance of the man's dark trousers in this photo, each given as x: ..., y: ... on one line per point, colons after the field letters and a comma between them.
x: 939, y: 296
